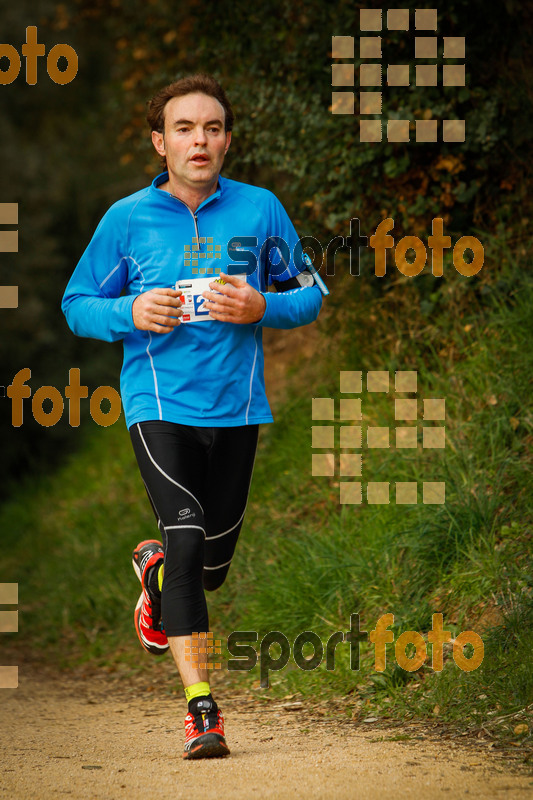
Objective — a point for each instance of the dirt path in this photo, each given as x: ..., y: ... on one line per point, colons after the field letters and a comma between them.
x: 105, y: 739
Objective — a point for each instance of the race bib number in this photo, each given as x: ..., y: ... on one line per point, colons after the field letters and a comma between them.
x: 193, y: 304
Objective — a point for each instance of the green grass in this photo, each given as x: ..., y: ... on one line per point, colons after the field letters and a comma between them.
x: 306, y: 563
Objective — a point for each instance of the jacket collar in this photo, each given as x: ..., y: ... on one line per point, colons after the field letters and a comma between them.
x: 163, y: 177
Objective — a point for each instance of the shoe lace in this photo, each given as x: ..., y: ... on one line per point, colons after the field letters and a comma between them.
x: 203, y: 722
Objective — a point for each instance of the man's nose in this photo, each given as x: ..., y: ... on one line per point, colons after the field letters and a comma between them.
x: 199, y: 135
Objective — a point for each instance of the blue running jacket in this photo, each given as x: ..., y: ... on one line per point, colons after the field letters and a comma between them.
x: 202, y: 373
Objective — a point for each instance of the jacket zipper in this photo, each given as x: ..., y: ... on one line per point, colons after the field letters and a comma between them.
x: 195, y: 219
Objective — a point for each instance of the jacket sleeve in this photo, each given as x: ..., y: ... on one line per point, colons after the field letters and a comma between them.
x: 92, y: 303
x: 294, y: 307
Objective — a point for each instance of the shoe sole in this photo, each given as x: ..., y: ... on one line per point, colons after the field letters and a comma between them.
x: 210, y: 745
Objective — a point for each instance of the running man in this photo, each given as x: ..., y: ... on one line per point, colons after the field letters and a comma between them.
x: 180, y: 271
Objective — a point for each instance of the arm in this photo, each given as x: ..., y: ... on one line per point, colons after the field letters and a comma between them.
x: 292, y: 305
x: 92, y: 303
x: 238, y: 302
x: 90, y: 313
x: 291, y: 308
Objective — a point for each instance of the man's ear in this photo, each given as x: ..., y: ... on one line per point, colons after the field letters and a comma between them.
x: 158, y: 141
x: 228, y: 141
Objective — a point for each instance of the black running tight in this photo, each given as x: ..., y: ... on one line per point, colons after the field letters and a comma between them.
x: 197, y: 480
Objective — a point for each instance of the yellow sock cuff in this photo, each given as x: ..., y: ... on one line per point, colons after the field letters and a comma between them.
x: 160, y: 576
x: 200, y: 689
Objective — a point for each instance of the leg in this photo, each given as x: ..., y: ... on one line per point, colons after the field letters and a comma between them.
x: 173, y: 465
x: 193, y: 475
x: 190, y: 675
x: 230, y: 466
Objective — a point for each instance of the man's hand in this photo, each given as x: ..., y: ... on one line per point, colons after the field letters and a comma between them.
x: 237, y: 302
x: 157, y: 310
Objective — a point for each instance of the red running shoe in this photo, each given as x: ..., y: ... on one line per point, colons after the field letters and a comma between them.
x: 204, y: 732
x: 147, y: 613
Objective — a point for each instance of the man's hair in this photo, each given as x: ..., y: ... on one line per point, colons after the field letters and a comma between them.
x: 200, y: 83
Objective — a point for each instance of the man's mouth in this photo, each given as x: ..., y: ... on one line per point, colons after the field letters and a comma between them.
x: 200, y: 158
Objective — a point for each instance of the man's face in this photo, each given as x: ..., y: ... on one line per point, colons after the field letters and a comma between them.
x: 194, y: 141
